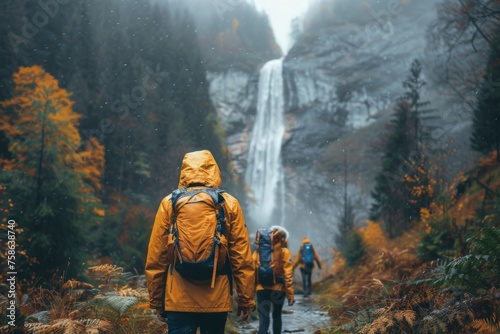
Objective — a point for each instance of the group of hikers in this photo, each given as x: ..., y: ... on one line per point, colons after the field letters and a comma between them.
x: 200, y: 248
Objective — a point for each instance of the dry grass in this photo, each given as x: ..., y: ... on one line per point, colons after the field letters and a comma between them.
x: 79, y: 307
x: 386, y: 292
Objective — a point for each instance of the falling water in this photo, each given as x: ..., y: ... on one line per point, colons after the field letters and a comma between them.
x: 264, y: 173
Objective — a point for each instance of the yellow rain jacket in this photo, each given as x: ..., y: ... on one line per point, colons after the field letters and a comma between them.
x: 171, y: 292
x: 298, y: 258
x: 287, y: 267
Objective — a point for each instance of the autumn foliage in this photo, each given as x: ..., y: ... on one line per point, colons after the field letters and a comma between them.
x: 440, y: 276
x: 43, y: 130
x: 53, y: 179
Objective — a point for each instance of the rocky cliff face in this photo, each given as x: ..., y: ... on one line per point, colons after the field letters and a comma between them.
x: 234, y: 95
x: 340, y: 84
x: 340, y: 80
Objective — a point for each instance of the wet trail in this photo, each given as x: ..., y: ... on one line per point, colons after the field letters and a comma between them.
x: 303, y: 317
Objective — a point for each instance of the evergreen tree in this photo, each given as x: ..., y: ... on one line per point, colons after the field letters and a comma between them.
x: 486, y: 119
x: 414, y: 85
x: 403, y: 186
x: 347, y: 219
x: 146, y: 128
x: 345, y: 228
x: 389, y: 193
x: 52, y: 180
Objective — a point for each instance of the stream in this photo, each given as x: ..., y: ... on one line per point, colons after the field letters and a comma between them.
x: 303, y: 317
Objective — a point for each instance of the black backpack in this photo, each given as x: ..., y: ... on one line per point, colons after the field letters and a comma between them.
x: 270, y: 263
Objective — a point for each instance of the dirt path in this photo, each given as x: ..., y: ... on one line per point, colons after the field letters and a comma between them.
x: 303, y: 317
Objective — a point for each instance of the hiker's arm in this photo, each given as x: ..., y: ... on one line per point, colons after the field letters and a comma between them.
x: 296, y: 260
x: 316, y: 258
x: 240, y: 256
x: 256, y: 263
x: 288, y: 268
x: 156, y: 261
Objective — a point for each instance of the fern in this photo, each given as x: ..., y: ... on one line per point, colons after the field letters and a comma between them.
x: 97, y: 326
x: 479, y: 270
x: 105, y: 272
x: 127, y: 292
x: 60, y: 326
x: 120, y: 303
x: 33, y: 327
x: 39, y: 317
x: 380, y: 324
x: 433, y: 324
x: 73, y: 284
x: 485, y: 326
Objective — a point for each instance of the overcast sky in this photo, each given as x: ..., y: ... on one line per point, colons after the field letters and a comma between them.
x: 281, y: 13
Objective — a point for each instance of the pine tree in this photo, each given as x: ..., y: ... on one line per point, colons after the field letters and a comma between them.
x: 347, y: 218
x: 486, y: 119
x: 390, y: 196
x: 414, y: 86
x: 403, y: 186
x: 52, y: 180
x: 145, y: 135
x: 345, y: 227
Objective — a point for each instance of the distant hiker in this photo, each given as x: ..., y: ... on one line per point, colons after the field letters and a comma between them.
x: 199, y: 244
x: 273, y: 264
x: 306, y: 256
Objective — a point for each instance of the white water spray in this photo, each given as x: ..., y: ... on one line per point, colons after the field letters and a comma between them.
x: 264, y: 173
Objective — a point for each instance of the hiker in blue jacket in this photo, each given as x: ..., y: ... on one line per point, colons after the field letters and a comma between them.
x: 305, y: 258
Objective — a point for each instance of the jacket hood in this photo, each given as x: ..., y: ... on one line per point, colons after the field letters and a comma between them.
x: 305, y: 240
x: 200, y: 168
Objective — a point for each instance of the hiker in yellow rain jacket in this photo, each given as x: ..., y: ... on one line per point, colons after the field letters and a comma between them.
x: 186, y: 305
x: 275, y: 295
x: 305, y: 261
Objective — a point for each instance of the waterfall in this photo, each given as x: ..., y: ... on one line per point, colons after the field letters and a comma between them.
x: 264, y: 174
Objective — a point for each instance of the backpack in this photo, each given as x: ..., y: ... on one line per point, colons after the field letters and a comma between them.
x: 197, y: 245
x: 270, y: 262
x: 307, y: 254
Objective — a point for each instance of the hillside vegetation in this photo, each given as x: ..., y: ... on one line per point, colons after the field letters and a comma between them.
x: 441, y: 276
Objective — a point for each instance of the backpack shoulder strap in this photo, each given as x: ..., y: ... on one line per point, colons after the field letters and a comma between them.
x: 176, y: 194
x: 216, y: 195
x: 182, y: 192
x: 219, y: 200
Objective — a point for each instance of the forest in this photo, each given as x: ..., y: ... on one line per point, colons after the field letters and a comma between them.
x: 383, y: 134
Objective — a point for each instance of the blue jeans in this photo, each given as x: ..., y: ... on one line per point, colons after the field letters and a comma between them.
x: 188, y: 322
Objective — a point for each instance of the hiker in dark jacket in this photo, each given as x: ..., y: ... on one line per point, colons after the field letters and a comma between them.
x: 306, y: 265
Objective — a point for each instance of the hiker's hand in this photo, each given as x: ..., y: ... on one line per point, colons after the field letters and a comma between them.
x: 243, y: 313
x: 291, y: 302
x: 160, y: 316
